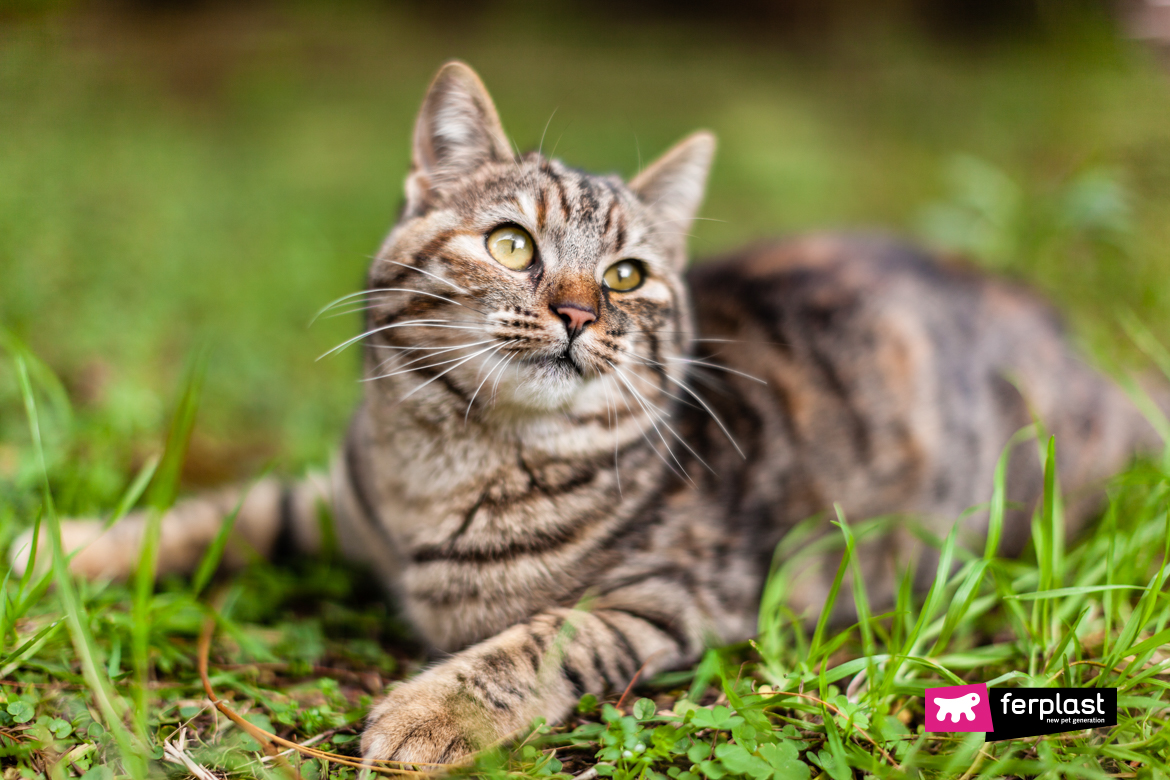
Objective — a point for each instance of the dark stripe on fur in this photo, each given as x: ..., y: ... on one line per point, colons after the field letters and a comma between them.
x: 574, y: 678
x: 353, y: 470
x: 601, y: 669
x: 539, y: 542
x: 629, y: 652
x: 665, y: 625
x: 488, y: 696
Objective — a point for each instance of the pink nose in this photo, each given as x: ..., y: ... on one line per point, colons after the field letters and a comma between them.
x: 575, y: 317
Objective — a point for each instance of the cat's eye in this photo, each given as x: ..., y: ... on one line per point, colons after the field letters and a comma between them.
x: 624, y: 275
x: 512, y: 247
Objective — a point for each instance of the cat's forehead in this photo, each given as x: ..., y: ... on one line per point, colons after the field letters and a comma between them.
x: 576, y: 217
x: 555, y: 193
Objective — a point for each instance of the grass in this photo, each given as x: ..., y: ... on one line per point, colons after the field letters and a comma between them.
x: 179, y: 196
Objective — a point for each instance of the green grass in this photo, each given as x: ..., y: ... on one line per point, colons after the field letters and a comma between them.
x: 178, y: 197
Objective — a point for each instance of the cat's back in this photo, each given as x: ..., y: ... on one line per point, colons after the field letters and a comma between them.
x: 890, y: 381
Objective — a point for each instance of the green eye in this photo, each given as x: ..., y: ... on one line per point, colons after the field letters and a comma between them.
x: 512, y: 247
x: 624, y: 275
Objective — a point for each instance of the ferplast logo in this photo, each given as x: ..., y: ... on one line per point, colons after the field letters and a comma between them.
x: 1030, y: 712
x: 958, y: 708
x: 1015, y: 713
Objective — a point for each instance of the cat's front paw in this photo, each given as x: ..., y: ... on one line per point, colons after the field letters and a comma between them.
x: 428, y: 722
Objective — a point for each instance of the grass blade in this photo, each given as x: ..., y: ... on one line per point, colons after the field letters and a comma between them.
x: 107, y: 701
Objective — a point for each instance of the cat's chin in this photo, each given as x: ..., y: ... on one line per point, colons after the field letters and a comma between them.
x: 545, y: 384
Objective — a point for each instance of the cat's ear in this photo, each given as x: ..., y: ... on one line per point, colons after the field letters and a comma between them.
x: 457, y: 131
x: 673, y: 185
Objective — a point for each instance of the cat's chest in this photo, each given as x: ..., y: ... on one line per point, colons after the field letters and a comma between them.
x: 428, y: 487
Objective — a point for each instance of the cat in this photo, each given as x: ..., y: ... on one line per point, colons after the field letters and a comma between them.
x: 575, y: 457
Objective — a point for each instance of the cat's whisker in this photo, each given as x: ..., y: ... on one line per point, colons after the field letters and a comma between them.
x: 687, y: 389
x: 654, y: 420
x: 431, y: 323
x: 405, y: 370
x: 649, y: 442
x: 648, y: 362
x: 336, y: 302
x: 499, y: 361
x: 611, y: 416
x: 553, y: 153
x: 436, y: 350
x: 428, y: 273
x: 718, y: 367
x: 711, y: 412
x: 381, y: 290
x: 540, y: 146
x: 696, y: 340
x: 499, y: 376
x: 428, y: 357
x: 442, y: 374
x: 428, y: 349
x: 360, y: 336
x: 662, y: 416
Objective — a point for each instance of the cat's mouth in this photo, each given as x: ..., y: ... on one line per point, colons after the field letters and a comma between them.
x: 560, y: 363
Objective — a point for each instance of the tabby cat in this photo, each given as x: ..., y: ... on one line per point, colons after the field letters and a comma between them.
x: 575, y: 457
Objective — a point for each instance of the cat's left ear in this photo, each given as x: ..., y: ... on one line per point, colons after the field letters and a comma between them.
x: 674, y: 184
x: 457, y: 131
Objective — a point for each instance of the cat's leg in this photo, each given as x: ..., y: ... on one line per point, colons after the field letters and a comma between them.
x: 536, y: 669
x: 274, y: 518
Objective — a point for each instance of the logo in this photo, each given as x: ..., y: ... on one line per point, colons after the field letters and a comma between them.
x: 1029, y: 712
x: 1015, y: 713
x: 958, y: 708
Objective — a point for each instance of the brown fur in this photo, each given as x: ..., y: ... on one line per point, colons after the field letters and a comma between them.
x: 558, y: 509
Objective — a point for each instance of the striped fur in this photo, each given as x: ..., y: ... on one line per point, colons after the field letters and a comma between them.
x: 558, y: 510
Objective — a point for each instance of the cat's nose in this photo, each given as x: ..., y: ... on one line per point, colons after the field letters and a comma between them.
x: 574, y: 315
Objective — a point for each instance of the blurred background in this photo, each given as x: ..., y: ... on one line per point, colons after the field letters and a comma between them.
x: 180, y: 175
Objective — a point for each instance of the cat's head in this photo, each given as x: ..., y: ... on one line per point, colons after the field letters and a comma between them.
x: 515, y: 284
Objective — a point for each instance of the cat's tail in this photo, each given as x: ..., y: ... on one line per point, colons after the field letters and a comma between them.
x: 274, y: 519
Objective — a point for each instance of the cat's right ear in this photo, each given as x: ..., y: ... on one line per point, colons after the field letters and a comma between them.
x: 457, y: 131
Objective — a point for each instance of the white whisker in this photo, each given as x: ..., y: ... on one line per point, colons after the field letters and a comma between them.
x: 499, y: 376
x: 645, y: 436
x: 540, y: 146
x: 718, y: 367
x: 336, y: 302
x: 420, y: 368
x: 420, y: 358
x: 693, y: 394
x: 648, y: 362
x: 654, y: 420
x: 408, y: 323
x: 442, y: 374
x: 433, y: 276
x: 611, y: 412
x: 428, y: 349
x: 663, y: 415
x: 379, y: 290
x: 711, y: 412
x: 499, y: 362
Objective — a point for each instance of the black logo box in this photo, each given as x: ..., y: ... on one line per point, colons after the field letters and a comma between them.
x: 1030, y: 712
